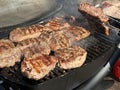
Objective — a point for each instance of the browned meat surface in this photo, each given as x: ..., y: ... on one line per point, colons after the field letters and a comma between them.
x: 93, y: 12
x: 56, y: 24
x: 72, y: 57
x: 32, y: 46
x: 9, y: 54
x: 75, y: 33
x: 59, y: 40
x: 56, y: 40
x: 96, y: 18
x: 23, y: 33
x: 64, y: 38
x: 112, y: 8
x: 38, y: 66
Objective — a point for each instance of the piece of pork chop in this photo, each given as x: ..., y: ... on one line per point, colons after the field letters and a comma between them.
x: 72, y: 57
x: 38, y: 66
x: 9, y: 54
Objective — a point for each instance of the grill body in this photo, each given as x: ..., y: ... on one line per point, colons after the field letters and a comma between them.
x: 99, y: 48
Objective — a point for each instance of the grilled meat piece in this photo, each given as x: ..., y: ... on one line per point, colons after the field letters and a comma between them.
x: 56, y: 24
x: 5, y: 48
x: 38, y: 66
x: 75, y: 33
x: 63, y: 38
x: 56, y: 39
x: 111, y: 8
x: 32, y: 46
x: 95, y: 16
x: 20, y: 34
x: 72, y: 57
x: 9, y: 54
x: 59, y: 40
x: 93, y: 12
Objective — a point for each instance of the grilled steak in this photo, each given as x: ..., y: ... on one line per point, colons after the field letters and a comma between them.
x: 75, y: 33
x: 72, y: 57
x: 20, y: 34
x: 56, y: 24
x: 38, y: 66
x: 32, y: 46
x: 56, y: 40
x: 64, y: 37
x: 95, y: 15
x: 9, y: 54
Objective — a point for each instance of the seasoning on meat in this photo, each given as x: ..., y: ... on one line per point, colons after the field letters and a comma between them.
x: 95, y: 15
x: 71, y: 57
x: 38, y: 66
x: 9, y: 54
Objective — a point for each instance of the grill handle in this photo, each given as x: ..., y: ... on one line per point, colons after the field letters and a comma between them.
x: 102, y: 73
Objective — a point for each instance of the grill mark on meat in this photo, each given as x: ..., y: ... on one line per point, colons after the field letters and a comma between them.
x: 38, y: 66
x: 7, y: 45
x: 34, y: 65
x: 56, y: 24
x: 20, y: 34
x: 71, y: 57
x: 9, y: 54
x: 96, y: 18
x: 75, y: 33
x: 46, y: 60
x: 32, y: 46
x: 64, y: 41
x: 31, y: 50
x: 3, y: 48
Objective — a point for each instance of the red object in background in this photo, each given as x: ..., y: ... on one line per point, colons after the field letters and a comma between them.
x: 116, y: 69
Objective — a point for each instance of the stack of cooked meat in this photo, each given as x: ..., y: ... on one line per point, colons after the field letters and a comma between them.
x: 111, y: 8
x: 35, y: 43
x: 96, y: 18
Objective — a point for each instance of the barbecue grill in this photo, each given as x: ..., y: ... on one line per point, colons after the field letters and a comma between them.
x: 102, y: 50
